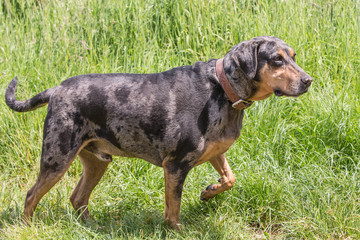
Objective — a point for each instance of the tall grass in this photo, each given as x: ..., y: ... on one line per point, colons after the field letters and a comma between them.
x: 296, y: 162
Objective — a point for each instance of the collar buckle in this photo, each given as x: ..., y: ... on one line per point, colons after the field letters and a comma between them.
x: 242, y: 104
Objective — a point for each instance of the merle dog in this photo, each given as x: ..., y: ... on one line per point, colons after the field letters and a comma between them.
x: 176, y: 119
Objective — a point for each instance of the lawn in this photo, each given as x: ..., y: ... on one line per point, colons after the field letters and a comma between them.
x: 296, y: 163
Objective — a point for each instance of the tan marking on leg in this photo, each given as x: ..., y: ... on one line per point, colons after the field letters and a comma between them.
x: 172, y: 202
x: 43, y: 184
x: 227, y: 179
x: 93, y: 170
x: 174, y: 182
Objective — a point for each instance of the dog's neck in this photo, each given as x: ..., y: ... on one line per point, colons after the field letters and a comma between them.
x: 230, y: 91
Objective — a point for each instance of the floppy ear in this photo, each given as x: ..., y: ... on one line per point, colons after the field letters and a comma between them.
x: 244, y: 55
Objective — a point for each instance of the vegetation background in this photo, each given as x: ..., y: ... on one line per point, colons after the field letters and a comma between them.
x: 296, y: 163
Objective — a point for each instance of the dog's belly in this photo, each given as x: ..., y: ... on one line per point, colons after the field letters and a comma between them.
x: 104, y: 150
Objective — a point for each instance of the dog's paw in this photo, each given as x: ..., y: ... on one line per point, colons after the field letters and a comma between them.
x: 206, y: 194
x: 176, y: 225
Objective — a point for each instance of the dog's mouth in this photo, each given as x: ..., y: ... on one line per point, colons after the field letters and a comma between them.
x: 278, y: 93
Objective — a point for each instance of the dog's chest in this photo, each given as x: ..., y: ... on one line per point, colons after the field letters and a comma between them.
x: 214, y: 149
x: 219, y: 138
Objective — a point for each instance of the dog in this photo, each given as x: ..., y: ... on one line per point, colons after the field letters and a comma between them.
x: 176, y: 119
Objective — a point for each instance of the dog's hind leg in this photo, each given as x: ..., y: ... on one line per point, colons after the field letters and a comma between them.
x: 227, y: 179
x: 93, y: 170
x: 60, y: 146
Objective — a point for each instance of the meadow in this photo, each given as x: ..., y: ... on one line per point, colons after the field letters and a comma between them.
x: 296, y: 163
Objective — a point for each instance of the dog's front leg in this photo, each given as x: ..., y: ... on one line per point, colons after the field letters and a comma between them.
x: 175, y: 175
x: 227, y: 179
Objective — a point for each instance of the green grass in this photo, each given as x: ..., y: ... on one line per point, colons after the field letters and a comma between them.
x: 296, y: 162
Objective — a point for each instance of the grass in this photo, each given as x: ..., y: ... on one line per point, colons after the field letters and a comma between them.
x: 296, y: 161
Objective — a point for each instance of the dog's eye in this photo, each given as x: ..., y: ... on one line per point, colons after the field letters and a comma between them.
x: 278, y: 60
x: 294, y: 57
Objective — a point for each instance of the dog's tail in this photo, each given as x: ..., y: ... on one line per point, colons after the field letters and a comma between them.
x: 31, y: 104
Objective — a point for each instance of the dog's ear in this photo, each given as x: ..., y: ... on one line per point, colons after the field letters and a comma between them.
x: 244, y: 56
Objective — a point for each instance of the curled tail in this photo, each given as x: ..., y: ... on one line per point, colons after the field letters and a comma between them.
x: 31, y: 104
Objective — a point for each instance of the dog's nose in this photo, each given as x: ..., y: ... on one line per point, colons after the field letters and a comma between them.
x: 307, y: 80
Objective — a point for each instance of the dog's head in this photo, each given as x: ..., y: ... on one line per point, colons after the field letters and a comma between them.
x: 267, y: 65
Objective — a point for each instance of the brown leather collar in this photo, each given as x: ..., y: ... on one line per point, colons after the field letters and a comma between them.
x: 238, y: 103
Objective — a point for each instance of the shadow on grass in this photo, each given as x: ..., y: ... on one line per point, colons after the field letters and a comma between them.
x: 147, y: 221
x: 123, y: 220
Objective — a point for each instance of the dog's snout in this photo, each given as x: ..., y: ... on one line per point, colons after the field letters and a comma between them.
x: 307, y: 80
